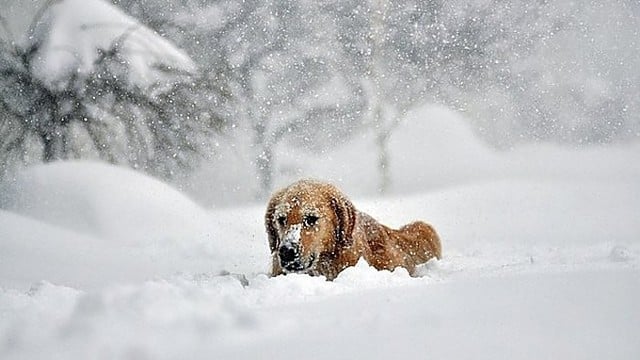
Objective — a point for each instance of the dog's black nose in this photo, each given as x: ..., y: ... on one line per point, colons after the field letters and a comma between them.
x: 288, y: 254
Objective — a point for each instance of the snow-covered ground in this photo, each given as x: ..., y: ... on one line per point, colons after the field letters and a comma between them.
x: 541, y: 260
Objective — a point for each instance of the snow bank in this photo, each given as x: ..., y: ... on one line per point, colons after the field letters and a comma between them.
x: 435, y: 148
x: 123, y: 225
x: 101, y: 200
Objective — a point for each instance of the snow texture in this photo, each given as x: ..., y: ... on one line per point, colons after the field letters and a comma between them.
x: 540, y: 261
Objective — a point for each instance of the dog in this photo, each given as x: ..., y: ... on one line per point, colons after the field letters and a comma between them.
x: 313, y: 228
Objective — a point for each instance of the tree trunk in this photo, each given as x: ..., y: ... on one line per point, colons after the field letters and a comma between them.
x: 47, y: 150
x: 264, y: 168
x: 384, y: 128
x: 379, y: 122
x: 382, y: 142
x: 264, y: 160
x: 53, y: 145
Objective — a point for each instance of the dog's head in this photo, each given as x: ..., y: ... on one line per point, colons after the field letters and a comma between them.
x: 307, y: 222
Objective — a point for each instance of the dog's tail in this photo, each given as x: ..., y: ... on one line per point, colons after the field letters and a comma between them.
x: 422, y: 240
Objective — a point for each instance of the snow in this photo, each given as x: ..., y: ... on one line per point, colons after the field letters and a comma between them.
x: 541, y: 259
x: 292, y: 236
x: 72, y: 32
x: 65, y: 194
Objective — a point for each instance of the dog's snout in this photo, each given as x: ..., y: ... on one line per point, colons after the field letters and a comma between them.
x: 288, y: 254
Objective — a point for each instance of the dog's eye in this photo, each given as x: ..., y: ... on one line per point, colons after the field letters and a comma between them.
x: 281, y: 220
x: 310, y: 220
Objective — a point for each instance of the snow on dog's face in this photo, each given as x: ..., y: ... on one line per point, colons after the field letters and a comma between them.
x: 305, y: 224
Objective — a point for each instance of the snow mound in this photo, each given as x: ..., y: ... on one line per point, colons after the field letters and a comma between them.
x: 108, y: 225
x: 436, y: 147
x: 364, y: 276
x: 101, y: 200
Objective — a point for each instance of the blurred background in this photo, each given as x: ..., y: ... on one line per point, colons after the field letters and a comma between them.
x: 228, y: 100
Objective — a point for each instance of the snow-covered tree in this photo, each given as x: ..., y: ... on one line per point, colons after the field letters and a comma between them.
x: 100, y: 85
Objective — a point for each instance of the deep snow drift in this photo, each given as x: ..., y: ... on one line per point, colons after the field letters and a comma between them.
x: 541, y: 260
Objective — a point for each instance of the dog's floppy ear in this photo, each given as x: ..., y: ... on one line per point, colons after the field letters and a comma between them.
x: 346, y: 219
x: 272, y: 232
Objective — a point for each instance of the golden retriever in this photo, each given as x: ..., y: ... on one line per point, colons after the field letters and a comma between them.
x: 314, y: 229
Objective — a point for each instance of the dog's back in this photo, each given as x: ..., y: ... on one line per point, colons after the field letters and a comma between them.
x: 420, y: 241
x: 386, y: 248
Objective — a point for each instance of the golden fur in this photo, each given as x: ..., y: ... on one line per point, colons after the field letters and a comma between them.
x: 314, y: 229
